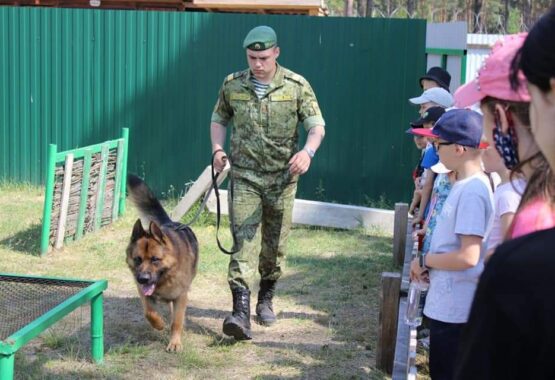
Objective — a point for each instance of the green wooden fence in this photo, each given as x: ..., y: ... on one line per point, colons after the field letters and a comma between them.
x: 83, y: 180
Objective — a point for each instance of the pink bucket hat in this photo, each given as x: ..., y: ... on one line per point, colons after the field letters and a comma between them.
x: 493, y: 77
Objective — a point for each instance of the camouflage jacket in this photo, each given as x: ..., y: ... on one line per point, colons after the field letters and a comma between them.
x: 264, y: 136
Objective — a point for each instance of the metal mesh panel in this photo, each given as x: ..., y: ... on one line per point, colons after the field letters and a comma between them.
x: 22, y: 299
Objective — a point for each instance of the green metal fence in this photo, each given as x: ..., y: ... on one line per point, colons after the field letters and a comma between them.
x: 72, y: 77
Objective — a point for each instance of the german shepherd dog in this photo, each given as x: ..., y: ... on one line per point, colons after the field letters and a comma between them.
x: 162, y: 258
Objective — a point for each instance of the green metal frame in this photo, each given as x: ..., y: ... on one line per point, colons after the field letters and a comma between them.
x: 54, y: 157
x: 445, y: 53
x: 92, y: 293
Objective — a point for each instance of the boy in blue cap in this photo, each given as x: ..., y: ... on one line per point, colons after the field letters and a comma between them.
x: 456, y: 256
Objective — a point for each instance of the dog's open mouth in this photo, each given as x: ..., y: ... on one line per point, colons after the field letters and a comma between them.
x: 148, y: 289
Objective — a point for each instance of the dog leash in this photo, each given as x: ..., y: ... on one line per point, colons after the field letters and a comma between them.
x: 214, y: 187
x: 218, y: 211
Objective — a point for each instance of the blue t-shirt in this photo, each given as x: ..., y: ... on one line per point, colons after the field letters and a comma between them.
x: 430, y: 157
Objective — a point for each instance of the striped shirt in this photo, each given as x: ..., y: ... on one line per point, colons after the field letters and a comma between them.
x: 259, y: 87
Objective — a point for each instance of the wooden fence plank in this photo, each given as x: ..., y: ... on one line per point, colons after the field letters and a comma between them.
x: 400, y: 232
x: 200, y: 187
x: 387, y: 328
x: 64, y: 206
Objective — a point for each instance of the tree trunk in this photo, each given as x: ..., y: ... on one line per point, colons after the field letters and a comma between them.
x: 506, y: 16
x: 411, y: 5
x: 349, y: 8
x: 361, y: 8
x: 369, y: 7
x: 526, y: 11
x: 476, y: 10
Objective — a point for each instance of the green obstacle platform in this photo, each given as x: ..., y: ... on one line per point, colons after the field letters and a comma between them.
x: 30, y: 304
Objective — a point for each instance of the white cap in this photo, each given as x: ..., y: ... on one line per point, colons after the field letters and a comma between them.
x: 437, y: 95
x: 439, y: 168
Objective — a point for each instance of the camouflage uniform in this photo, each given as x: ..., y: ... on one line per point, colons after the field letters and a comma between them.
x: 264, y: 137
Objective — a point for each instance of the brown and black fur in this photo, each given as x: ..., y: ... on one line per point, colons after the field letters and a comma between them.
x: 163, y: 260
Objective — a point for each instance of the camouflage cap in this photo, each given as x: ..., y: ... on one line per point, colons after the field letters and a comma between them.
x: 260, y: 38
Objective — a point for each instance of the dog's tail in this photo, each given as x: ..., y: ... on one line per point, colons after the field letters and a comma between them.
x: 146, y: 202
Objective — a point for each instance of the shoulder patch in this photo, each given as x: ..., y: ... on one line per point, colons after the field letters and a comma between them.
x: 294, y: 76
x: 234, y: 76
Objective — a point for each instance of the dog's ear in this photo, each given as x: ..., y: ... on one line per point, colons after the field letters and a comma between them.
x: 156, y: 232
x: 138, y: 231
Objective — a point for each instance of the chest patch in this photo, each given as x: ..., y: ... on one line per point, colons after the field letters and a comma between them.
x: 239, y: 96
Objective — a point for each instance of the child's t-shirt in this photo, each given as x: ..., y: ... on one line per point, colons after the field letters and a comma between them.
x: 536, y: 215
x: 506, y: 199
x: 440, y: 191
x: 468, y: 210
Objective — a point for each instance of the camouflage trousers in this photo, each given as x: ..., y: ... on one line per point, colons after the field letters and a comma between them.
x: 260, y: 216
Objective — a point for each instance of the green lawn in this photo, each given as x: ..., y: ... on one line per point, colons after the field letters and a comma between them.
x: 327, y: 305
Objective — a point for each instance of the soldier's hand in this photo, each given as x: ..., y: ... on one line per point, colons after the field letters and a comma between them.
x: 220, y: 160
x: 299, y: 163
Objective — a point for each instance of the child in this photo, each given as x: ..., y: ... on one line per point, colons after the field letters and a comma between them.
x: 442, y: 186
x: 455, y: 259
x: 435, y: 96
x: 510, y: 333
x: 506, y: 197
x: 436, y: 77
x: 420, y: 173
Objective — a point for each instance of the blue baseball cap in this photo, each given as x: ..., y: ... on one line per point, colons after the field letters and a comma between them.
x: 460, y: 126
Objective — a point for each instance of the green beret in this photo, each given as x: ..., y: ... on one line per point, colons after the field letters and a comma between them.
x: 260, y: 38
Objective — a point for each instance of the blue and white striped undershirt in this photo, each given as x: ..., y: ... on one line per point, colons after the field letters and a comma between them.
x: 259, y: 87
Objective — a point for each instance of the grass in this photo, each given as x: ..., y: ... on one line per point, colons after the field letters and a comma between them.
x: 327, y: 305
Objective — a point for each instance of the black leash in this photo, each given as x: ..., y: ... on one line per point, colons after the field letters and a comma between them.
x: 214, y: 187
x: 218, y: 211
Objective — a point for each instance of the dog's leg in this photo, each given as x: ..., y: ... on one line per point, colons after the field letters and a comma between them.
x: 178, y: 320
x: 151, y: 314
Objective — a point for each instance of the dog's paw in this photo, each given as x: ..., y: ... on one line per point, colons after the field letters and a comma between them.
x: 175, y: 345
x: 156, y: 322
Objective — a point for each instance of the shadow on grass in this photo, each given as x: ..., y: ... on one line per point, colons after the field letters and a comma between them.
x: 26, y: 241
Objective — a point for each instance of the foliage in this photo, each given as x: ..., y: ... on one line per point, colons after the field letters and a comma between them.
x: 493, y: 16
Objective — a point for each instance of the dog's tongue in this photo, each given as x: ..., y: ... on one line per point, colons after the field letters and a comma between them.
x: 148, y: 289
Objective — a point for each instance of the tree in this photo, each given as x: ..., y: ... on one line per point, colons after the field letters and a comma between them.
x: 476, y: 10
x: 369, y: 7
x: 411, y: 5
x: 348, y: 8
x: 481, y: 16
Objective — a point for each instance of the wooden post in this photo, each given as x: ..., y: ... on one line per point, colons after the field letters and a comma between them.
x: 199, y: 188
x: 387, y: 328
x: 64, y: 205
x: 400, y: 225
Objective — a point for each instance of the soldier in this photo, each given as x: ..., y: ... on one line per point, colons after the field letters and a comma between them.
x: 263, y: 104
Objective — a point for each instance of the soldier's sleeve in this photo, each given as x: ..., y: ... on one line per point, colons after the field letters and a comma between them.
x: 222, y: 110
x: 309, y: 110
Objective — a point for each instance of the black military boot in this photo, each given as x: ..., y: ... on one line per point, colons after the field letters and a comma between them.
x: 238, y: 324
x: 264, y: 308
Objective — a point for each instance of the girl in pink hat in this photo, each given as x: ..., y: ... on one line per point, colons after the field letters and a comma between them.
x: 511, y: 331
x: 507, y: 127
